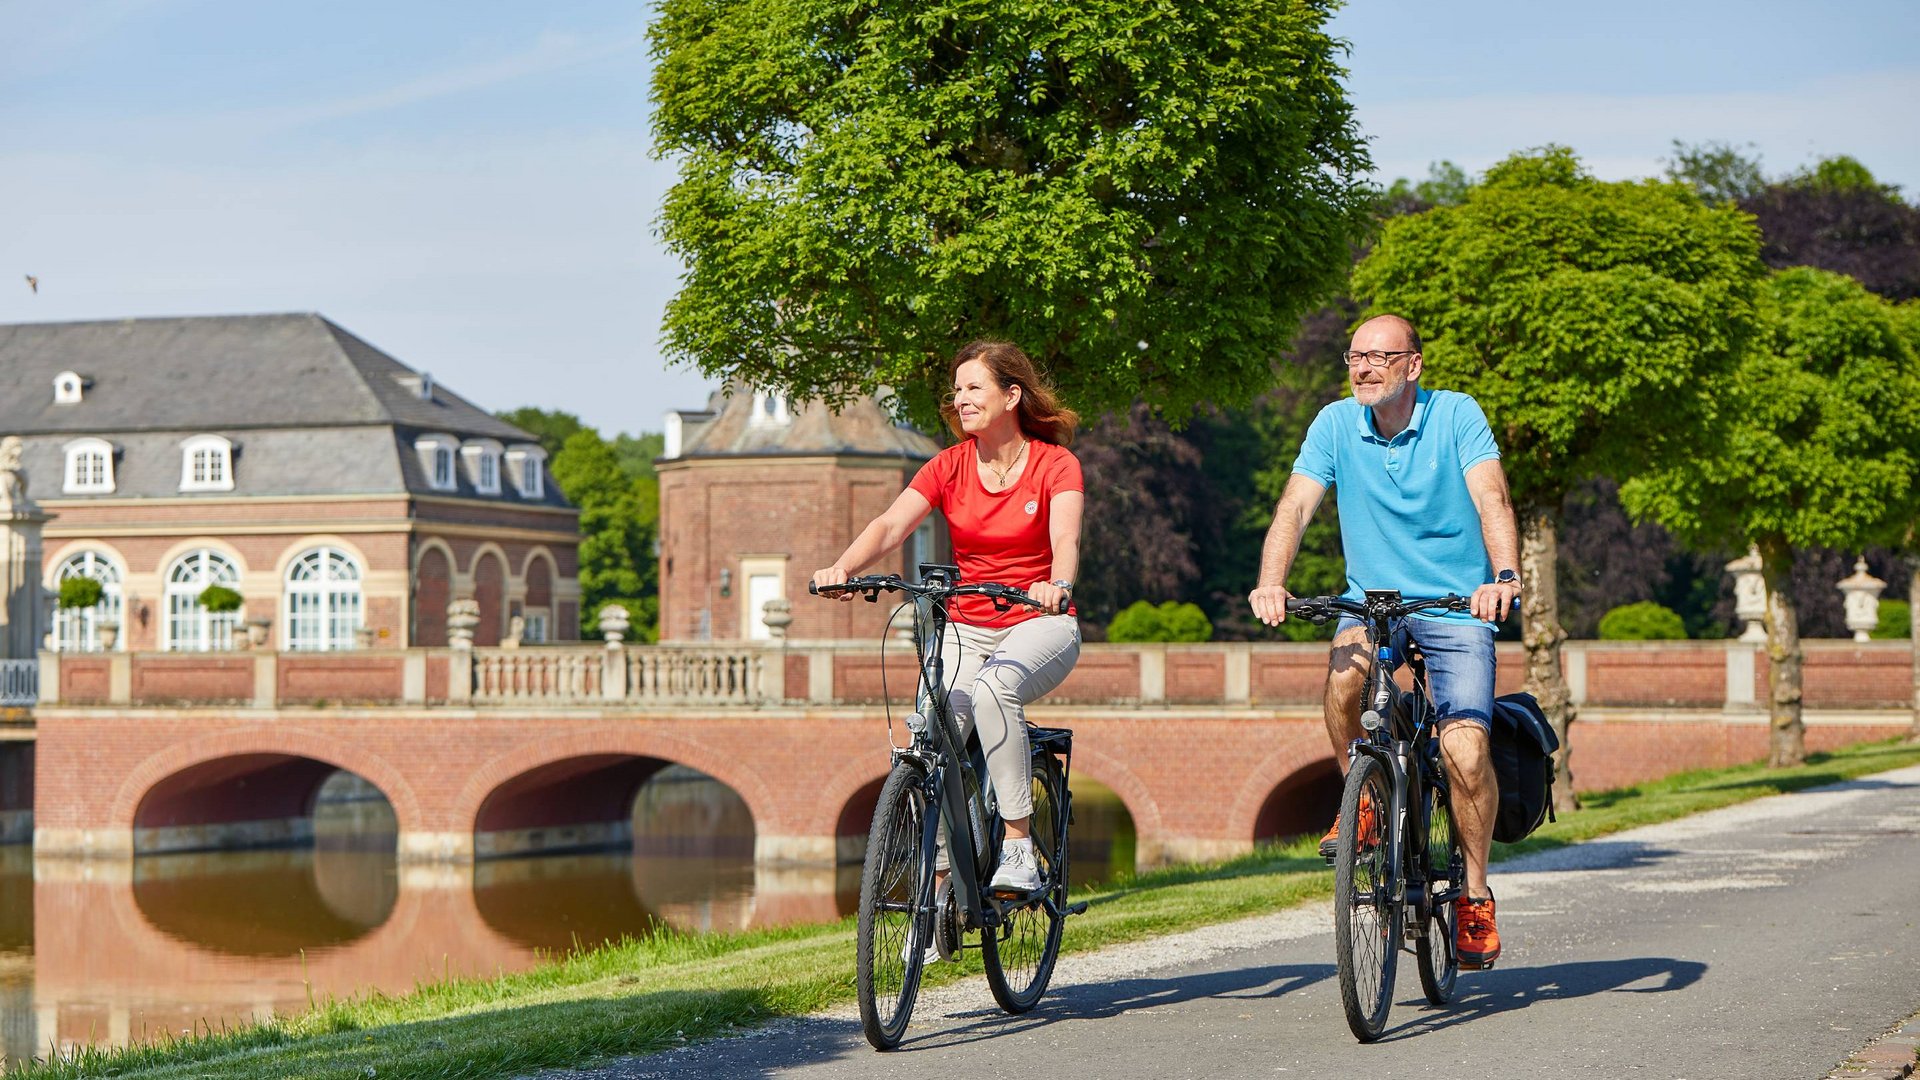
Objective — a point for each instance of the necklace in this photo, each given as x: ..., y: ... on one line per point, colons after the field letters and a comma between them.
x: 1000, y: 472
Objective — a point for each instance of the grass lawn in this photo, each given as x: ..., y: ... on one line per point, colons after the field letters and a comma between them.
x: 643, y: 996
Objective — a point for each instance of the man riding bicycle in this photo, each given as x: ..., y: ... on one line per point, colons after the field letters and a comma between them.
x: 1424, y: 510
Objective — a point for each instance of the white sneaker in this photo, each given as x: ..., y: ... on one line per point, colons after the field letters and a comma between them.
x: 929, y: 957
x: 1017, y: 871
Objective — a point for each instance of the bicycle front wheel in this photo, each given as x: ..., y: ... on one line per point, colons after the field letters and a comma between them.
x: 1020, y: 953
x: 895, y: 896
x: 1446, y: 877
x: 1366, y: 907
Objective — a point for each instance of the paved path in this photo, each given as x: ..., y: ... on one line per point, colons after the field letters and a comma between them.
x: 1765, y: 940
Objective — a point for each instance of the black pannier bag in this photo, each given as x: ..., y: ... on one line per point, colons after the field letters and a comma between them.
x: 1523, y: 744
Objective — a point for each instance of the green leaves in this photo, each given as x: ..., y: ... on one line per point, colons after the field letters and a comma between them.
x: 1146, y: 197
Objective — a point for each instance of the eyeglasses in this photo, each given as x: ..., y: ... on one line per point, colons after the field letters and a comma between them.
x: 1375, y: 359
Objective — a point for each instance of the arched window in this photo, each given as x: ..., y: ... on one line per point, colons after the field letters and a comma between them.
x: 78, y: 629
x: 191, y: 627
x: 323, y: 600
x: 206, y: 464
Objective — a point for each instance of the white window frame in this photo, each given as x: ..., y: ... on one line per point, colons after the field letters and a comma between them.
x: 436, y: 460
x: 78, y: 629
x: 217, y: 454
x: 82, y: 480
x: 769, y: 409
x: 324, y: 602
x: 526, y: 467
x: 483, y: 465
x: 190, y: 627
x: 69, y: 388
x: 535, y: 626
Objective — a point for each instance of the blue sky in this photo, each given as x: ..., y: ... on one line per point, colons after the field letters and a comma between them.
x: 469, y: 186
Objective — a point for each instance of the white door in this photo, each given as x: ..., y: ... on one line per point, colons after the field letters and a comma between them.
x: 760, y: 589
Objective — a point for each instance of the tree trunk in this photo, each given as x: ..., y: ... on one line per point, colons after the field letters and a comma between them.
x: 1789, y: 732
x: 1541, y: 630
x: 1913, y: 641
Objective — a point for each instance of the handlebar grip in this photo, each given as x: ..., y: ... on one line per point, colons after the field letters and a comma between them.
x: 813, y: 589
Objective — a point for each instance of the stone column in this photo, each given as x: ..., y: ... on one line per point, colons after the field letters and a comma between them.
x: 22, y: 609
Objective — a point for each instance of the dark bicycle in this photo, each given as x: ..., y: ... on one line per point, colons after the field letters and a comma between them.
x: 1398, y: 853
x: 934, y: 789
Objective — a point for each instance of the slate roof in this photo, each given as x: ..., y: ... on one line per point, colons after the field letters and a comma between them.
x: 310, y: 408
x: 862, y: 428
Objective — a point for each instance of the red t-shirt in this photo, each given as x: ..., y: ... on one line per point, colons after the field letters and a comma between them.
x: 999, y: 536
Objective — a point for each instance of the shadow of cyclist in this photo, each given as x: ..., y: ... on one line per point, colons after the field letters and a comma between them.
x: 1486, y: 993
x: 1098, y: 1001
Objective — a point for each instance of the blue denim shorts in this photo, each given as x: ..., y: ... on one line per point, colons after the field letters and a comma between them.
x: 1459, y: 664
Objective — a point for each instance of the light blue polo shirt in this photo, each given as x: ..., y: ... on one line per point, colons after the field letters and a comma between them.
x: 1407, y: 521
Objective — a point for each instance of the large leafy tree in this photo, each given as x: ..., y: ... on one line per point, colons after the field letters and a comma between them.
x: 619, y: 520
x: 1817, y: 442
x: 1585, y: 317
x: 1146, y: 197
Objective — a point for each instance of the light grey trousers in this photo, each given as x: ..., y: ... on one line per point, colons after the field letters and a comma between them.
x: 992, y: 675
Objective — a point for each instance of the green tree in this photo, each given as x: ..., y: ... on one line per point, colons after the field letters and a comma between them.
x: 1717, y: 171
x: 1815, y: 444
x: 1146, y: 197
x: 618, y: 523
x: 551, y: 428
x: 1584, y: 317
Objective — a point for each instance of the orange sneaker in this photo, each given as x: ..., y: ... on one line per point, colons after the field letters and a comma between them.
x: 1476, y: 942
x: 1369, y: 829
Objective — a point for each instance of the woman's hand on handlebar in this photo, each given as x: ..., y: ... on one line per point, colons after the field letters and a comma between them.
x: 832, y: 575
x: 1052, y: 598
x: 1270, y: 603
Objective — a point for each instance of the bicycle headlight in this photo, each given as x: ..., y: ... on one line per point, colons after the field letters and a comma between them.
x: 1370, y: 720
x: 916, y: 723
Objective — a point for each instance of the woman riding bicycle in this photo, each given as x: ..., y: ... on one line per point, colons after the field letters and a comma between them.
x: 1012, y: 495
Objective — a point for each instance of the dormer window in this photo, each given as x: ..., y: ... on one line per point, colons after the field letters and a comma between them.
x: 483, y: 465
x: 526, y: 467
x: 769, y: 408
x: 89, y: 467
x: 206, y: 464
x: 436, y: 460
x: 69, y: 388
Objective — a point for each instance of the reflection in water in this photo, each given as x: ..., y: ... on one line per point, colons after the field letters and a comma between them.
x: 119, y: 951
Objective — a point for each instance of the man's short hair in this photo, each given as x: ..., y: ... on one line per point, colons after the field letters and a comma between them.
x: 1405, y: 325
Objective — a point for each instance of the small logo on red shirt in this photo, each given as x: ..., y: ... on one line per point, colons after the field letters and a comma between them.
x: 1033, y: 505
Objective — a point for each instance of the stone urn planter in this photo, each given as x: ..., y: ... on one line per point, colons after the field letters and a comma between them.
x: 109, y: 632
x: 614, y: 623
x: 257, y: 632
x: 463, y: 617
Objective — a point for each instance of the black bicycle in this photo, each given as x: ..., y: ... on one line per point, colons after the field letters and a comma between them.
x: 1398, y: 853
x: 933, y: 791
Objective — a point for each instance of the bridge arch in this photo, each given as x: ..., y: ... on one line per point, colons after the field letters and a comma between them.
x: 185, y: 775
x: 1292, y: 802
x: 605, y: 769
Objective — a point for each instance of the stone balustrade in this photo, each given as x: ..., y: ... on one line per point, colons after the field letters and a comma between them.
x: 1725, y: 675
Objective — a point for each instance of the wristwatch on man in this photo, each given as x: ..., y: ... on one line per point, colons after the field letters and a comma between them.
x: 1507, y: 577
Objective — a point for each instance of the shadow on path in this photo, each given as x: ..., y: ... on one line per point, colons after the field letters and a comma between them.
x: 1481, y: 994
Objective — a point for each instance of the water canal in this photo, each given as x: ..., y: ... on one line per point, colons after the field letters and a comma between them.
x: 112, y: 952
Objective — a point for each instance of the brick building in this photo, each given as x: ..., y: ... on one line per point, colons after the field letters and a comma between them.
x: 344, y: 496
x: 756, y: 494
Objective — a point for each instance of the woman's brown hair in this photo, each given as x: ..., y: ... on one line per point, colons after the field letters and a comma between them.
x: 1040, y: 414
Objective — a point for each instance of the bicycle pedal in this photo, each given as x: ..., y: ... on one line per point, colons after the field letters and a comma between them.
x: 1077, y: 909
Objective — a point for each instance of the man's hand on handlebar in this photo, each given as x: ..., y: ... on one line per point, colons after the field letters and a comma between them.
x: 1270, y: 603
x: 832, y: 575
x: 1492, y: 601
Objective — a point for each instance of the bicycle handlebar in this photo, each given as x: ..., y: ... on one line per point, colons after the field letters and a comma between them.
x: 874, y: 584
x: 1319, y: 609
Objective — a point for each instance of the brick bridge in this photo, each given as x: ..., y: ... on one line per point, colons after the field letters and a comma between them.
x: 489, y: 752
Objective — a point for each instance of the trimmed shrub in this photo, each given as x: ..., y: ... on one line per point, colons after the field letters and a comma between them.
x: 79, y: 592
x: 1895, y: 621
x: 1644, y: 621
x: 219, y: 599
x: 1170, y: 621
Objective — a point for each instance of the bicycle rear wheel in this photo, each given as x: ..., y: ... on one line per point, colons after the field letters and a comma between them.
x: 1446, y: 877
x: 895, y: 895
x: 1366, y: 909
x: 1021, y: 952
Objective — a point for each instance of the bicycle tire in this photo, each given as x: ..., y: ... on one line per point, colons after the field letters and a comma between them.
x: 1366, y: 910
x: 1446, y: 872
x: 895, y: 883
x: 1021, y: 952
